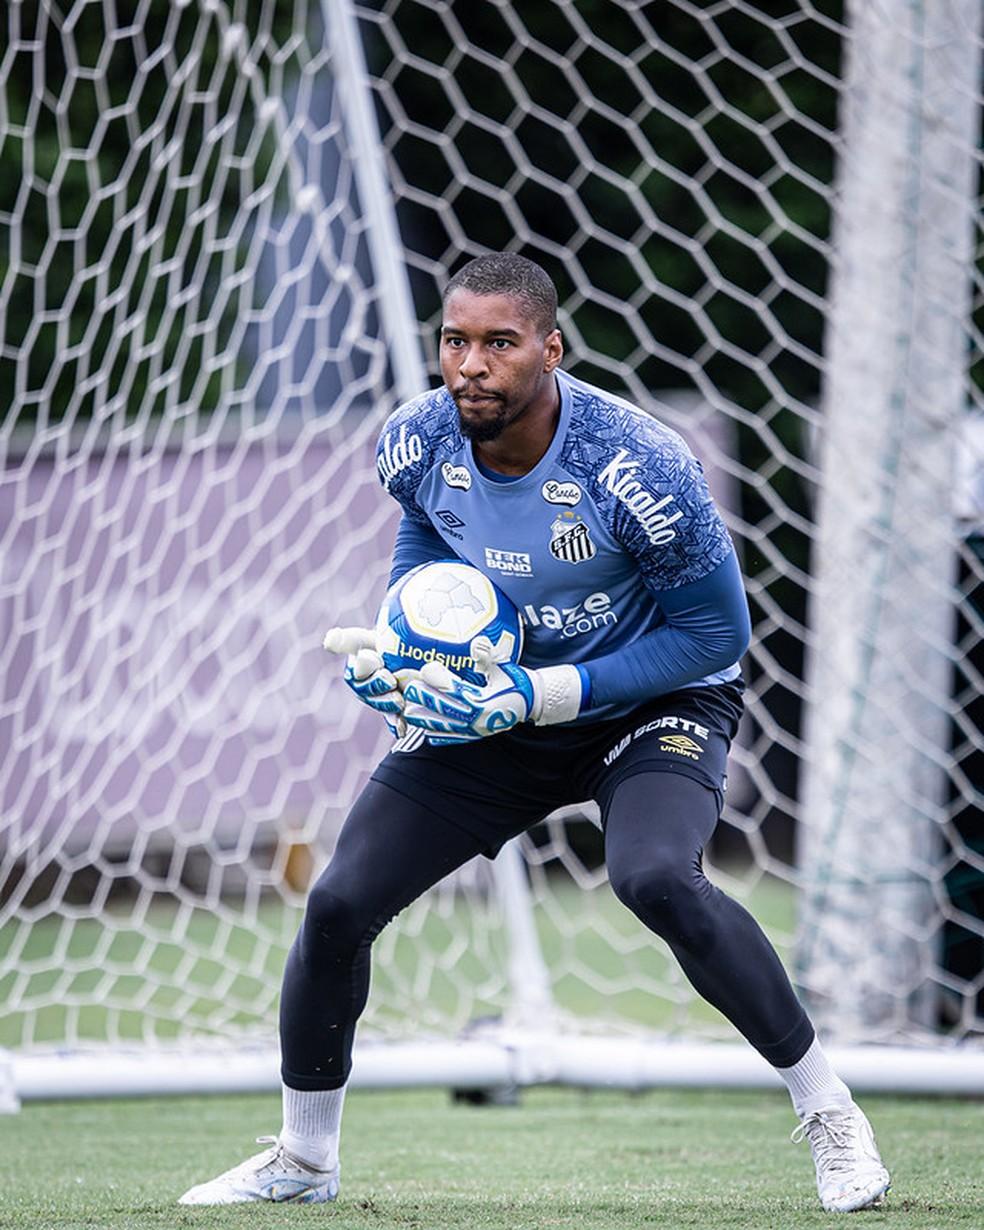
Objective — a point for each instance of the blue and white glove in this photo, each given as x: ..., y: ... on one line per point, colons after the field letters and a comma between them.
x: 366, y: 675
x: 452, y: 711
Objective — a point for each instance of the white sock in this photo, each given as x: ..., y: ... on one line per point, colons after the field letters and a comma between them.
x: 813, y: 1084
x: 312, y: 1125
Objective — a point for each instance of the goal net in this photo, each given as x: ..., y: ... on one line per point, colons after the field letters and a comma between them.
x: 224, y: 230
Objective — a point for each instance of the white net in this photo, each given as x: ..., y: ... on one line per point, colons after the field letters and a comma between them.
x: 197, y: 355
x: 194, y: 383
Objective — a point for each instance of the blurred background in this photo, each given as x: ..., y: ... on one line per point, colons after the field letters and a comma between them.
x: 224, y: 231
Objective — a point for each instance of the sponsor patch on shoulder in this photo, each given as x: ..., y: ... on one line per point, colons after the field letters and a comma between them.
x: 456, y: 476
x: 556, y: 492
x: 621, y: 478
x: 395, y: 455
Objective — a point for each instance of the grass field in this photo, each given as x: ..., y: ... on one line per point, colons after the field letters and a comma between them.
x: 595, y: 1161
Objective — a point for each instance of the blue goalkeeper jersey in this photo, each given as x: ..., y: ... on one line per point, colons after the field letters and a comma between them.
x: 616, y: 513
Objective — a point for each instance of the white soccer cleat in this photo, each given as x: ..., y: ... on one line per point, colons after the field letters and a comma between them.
x: 272, y: 1175
x: 850, y: 1172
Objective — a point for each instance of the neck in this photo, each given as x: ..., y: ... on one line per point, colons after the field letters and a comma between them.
x: 521, y: 445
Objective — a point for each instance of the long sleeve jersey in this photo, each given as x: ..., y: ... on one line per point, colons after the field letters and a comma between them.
x: 611, y: 546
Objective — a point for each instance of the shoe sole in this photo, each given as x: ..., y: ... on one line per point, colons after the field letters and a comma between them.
x: 322, y: 1196
x: 869, y: 1200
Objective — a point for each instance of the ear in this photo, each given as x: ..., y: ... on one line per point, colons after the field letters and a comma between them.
x: 553, y: 350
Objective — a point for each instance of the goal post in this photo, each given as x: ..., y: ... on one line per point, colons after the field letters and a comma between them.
x: 224, y: 230
x: 351, y: 84
x: 883, y: 592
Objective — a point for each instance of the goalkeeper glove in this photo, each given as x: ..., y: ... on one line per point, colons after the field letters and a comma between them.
x: 366, y: 675
x: 452, y: 711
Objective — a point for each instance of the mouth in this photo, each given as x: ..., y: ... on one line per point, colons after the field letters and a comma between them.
x: 476, y: 398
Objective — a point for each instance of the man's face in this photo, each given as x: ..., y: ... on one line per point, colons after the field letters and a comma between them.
x: 494, y: 361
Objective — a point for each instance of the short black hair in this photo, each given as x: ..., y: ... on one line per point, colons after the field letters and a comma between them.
x: 507, y: 273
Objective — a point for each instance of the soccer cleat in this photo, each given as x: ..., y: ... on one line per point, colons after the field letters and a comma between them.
x: 272, y: 1175
x: 850, y: 1172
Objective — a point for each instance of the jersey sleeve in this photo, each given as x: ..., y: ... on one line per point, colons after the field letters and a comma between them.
x: 402, y: 461
x: 415, y: 544
x: 666, y: 518
x: 707, y: 629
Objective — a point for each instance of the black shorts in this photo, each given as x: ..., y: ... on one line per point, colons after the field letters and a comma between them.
x: 497, y: 787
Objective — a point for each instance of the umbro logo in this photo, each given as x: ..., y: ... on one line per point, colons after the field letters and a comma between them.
x: 451, y: 521
x: 683, y: 745
x: 679, y: 744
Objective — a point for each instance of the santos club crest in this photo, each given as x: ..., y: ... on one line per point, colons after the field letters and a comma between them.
x: 570, y: 540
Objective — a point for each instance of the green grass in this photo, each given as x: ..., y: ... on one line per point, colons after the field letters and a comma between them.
x: 160, y: 971
x: 591, y: 1161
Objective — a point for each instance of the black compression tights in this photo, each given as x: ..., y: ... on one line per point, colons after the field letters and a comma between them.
x: 391, y: 850
x: 658, y: 825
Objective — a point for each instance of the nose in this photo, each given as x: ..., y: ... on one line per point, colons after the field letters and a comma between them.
x: 473, y: 365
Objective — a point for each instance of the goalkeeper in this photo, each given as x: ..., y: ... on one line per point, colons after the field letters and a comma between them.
x: 596, y: 520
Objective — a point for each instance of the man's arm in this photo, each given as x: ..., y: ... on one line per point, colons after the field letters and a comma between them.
x: 416, y: 544
x: 707, y: 629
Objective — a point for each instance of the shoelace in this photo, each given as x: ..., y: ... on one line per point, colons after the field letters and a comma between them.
x: 275, y: 1152
x: 834, y: 1139
x: 280, y: 1154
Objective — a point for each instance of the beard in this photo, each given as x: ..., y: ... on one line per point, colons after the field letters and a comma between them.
x: 486, y: 427
x: 485, y: 430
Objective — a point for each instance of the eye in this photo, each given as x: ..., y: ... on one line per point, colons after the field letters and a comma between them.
x: 500, y: 343
x: 452, y: 342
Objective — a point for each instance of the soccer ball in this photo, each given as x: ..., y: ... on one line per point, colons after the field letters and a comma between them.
x: 437, y: 611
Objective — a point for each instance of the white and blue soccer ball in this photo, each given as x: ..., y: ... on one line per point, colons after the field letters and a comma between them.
x: 436, y: 612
